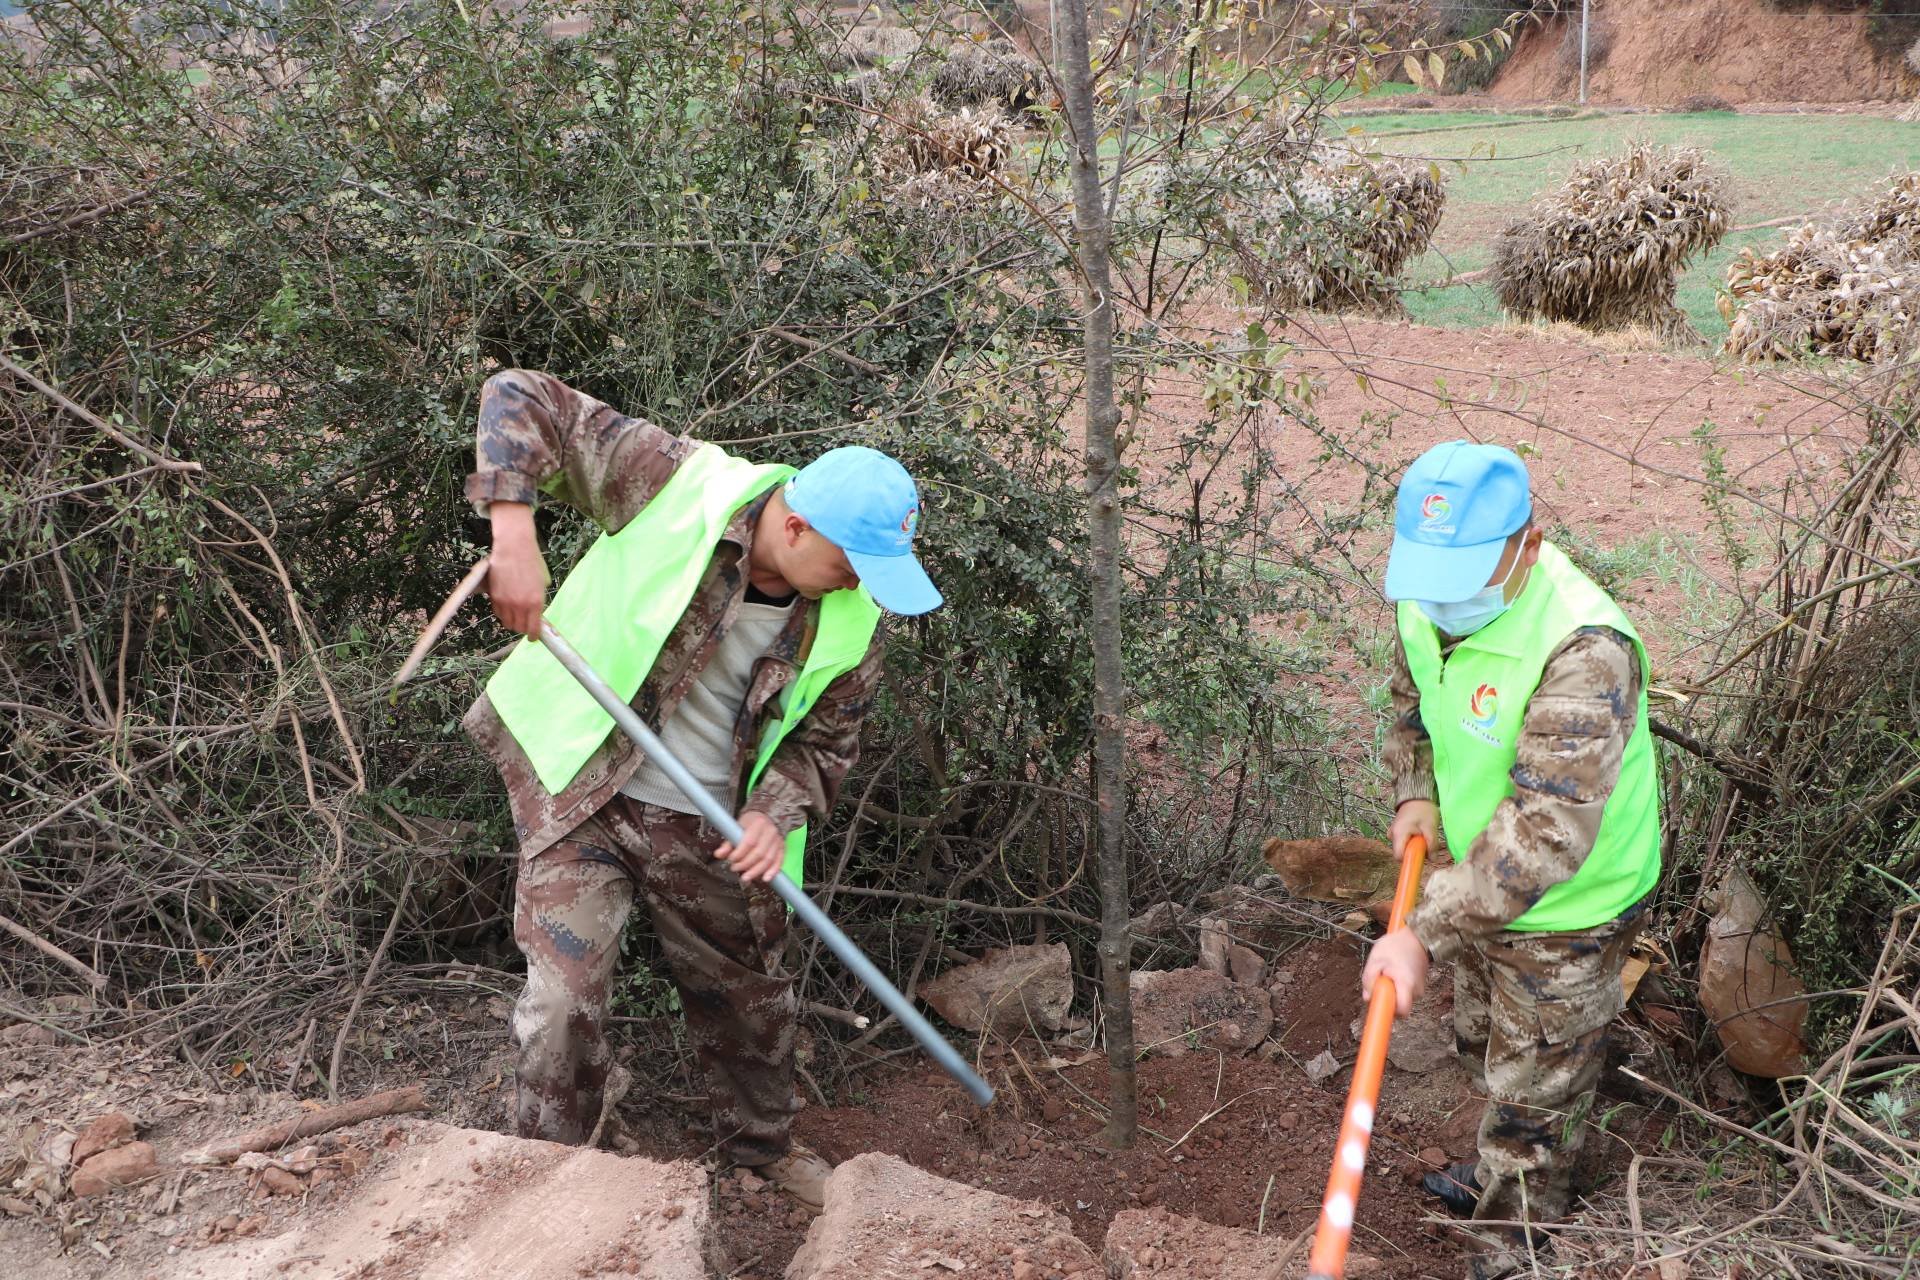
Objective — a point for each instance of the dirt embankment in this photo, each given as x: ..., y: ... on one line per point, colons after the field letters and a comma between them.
x: 1656, y: 52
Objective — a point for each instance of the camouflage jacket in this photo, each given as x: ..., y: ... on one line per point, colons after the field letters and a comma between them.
x: 539, y: 436
x: 1572, y: 740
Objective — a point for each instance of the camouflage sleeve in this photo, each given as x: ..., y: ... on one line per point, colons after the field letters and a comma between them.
x: 1572, y: 739
x: 539, y: 435
x: 1408, y: 753
x: 804, y: 776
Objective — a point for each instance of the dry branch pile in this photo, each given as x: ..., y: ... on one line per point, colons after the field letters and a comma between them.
x: 927, y: 159
x: 1330, y: 229
x: 1605, y: 251
x: 1847, y: 287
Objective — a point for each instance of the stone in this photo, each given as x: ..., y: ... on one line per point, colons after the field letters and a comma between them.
x: 1245, y: 965
x: 1173, y: 1009
x: 886, y: 1218
x: 279, y: 1182
x: 1433, y: 1157
x: 123, y: 1166
x: 1744, y: 964
x: 1322, y: 1066
x: 1214, y: 943
x: 1007, y: 992
x: 27, y: 1033
x: 1143, y: 1244
x: 1420, y: 1044
x: 114, y: 1129
x: 491, y: 1205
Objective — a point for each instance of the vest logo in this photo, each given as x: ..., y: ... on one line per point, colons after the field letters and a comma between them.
x: 1483, y: 708
x: 1435, y: 511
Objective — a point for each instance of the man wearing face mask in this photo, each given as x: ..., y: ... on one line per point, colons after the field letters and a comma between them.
x: 1520, y: 728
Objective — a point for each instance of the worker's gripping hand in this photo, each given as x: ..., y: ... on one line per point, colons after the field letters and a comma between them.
x: 517, y: 577
x: 1414, y: 818
x: 1401, y: 957
x: 761, y: 849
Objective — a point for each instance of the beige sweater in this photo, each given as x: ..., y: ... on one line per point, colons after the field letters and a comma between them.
x: 700, y: 731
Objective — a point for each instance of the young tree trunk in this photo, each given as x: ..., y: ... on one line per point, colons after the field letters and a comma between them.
x: 1093, y: 234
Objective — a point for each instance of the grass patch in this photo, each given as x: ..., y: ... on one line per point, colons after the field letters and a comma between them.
x: 1780, y: 166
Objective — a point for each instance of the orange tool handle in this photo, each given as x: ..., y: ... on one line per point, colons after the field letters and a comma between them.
x: 1328, y: 1261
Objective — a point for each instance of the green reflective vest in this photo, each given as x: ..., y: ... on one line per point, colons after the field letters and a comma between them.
x: 624, y: 599
x: 1472, y: 706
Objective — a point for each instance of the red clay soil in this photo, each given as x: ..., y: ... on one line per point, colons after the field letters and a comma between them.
x: 1611, y: 439
x: 1657, y: 53
x: 1229, y: 1134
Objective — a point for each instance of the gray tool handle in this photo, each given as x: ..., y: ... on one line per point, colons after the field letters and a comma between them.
x: 803, y: 906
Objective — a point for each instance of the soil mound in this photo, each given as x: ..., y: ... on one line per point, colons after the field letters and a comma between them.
x: 1653, y: 53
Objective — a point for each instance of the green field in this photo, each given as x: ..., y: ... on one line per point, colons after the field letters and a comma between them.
x: 1779, y: 165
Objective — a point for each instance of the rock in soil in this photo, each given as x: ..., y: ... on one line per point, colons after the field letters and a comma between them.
x: 1322, y: 1066
x: 1008, y: 992
x: 1421, y: 1042
x: 1245, y: 965
x: 111, y: 1130
x: 454, y: 1204
x: 1153, y: 1244
x: 1215, y: 942
x: 121, y: 1167
x: 1174, y: 1008
x: 1743, y: 965
x: 886, y: 1220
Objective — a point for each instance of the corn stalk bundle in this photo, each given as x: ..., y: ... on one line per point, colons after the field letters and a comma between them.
x: 1912, y: 111
x: 1605, y: 251
x: 1329, y: 229
x: 874, y: 45
x: 983, y: 75
x: 933, y: 159
x: 1849, y: 287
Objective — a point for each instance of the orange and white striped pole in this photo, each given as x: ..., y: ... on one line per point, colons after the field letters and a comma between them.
x: 1328, y: 1261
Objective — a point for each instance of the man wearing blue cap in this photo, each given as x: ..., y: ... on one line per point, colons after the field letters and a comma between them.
x: 1520, y: 729
x: 737, y: 606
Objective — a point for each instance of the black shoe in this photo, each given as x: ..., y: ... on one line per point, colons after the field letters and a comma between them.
x: 1458, y: 1186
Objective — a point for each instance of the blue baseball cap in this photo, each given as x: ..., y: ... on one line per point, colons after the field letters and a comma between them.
x: 1458, y: 504
x: 866, y: 504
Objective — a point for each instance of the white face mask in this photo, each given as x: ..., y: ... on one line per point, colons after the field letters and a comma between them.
x: 1464, y: 617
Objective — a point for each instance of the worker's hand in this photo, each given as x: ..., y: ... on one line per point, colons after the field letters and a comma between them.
x: 1414, y: 818
x: 517, y: 579
x: 761, y: 851
x: 1401, y: 957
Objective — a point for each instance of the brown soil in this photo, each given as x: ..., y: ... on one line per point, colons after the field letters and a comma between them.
x: 1613, y: 435
x: 1235, y: 1140
x: 1657, y: 53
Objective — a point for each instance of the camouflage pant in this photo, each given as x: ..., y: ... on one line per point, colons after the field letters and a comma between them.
x: 722, y: 940
x: 1530, y: 1015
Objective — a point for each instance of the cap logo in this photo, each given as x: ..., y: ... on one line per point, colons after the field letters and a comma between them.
x: 1484, y: 706
x: 912, y: 521
x: 1435, y: 510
